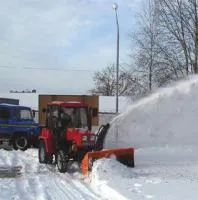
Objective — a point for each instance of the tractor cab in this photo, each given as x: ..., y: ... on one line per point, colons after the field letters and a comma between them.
x: 71, y: 121
x: 67, y: 114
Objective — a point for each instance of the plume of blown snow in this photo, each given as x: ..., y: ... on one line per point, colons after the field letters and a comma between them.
x: 167, y: 117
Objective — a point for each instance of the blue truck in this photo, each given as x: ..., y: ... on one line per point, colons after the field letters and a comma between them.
x: 18, y: 127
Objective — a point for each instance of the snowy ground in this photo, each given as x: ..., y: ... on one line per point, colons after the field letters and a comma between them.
x: 163, y: 128
x: 39, y: 182
x: 160, y: 174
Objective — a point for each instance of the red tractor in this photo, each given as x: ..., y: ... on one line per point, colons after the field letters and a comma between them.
x: 68, y: 137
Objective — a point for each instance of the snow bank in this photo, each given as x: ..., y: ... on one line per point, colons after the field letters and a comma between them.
x: 160, y: 173
x: 108, y: 175
x: 168, y: 117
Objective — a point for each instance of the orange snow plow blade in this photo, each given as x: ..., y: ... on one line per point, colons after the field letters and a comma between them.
x: 125, y: 156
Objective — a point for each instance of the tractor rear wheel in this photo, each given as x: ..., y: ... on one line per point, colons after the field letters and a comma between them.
x: 62, y: 161
x: 44, y: 157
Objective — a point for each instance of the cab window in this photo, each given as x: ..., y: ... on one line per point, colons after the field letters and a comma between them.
x: 23, y: 114
x: 4, y: 113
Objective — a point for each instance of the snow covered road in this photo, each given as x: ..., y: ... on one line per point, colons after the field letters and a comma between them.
x: 39, y: 182
x: 161, y: 173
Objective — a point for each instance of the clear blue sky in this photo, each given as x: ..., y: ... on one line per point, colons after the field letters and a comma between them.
x: 73, y: 37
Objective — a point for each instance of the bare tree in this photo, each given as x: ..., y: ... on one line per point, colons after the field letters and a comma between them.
x: 166, y: 41
x: 179, y: 19
x: 105, y: 82
x: 148, y: 49
x: 172, y: 22
x: 191, y: 24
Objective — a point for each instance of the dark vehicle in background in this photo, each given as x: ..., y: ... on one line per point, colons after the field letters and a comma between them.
x: 18, y: 127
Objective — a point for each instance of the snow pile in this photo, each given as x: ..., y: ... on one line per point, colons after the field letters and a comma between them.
x: 168, y: 117
x: 160, y: 173
x: 107, y: 174
x: 102, y: 167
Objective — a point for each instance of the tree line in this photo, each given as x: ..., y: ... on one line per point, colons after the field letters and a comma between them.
x: 165, y: 49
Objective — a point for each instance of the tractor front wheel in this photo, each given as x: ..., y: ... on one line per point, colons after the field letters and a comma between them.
x: 62, y: 161
x: 44, y: 157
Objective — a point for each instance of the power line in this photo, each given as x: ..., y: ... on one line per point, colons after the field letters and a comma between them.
x: 47, y: 68
x: 56, y: 69
x: 2, y: 66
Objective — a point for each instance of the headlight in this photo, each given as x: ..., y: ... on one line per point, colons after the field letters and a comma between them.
x: 92, y: 138
x: 84, y: 138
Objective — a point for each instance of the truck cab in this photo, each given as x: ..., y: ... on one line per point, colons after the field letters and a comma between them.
x: 17, y: 126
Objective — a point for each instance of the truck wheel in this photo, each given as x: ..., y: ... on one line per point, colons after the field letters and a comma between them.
x: 44, y: 157
x: 20, y: 142
x: 62, y: 161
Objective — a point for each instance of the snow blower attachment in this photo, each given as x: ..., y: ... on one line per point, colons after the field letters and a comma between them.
x: 123, y: 155
x: 67, y: 137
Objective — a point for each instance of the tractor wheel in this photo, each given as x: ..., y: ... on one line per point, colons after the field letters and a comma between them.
x: 44, y: 157
x: 20, y: 142
x: 62, y: 161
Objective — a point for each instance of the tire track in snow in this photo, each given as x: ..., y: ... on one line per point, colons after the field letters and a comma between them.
x: 52, y: 189
x: 42, y: 182
x: 66, y: 187
x: 59, y: 187
x: 60, y: 192
x: 28, y: 186
x: 73, y: 193
x: 22, y: 183
x: 81, y: 187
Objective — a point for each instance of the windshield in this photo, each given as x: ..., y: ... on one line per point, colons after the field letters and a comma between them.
x: 23, y: 114
x: 78, y: 117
